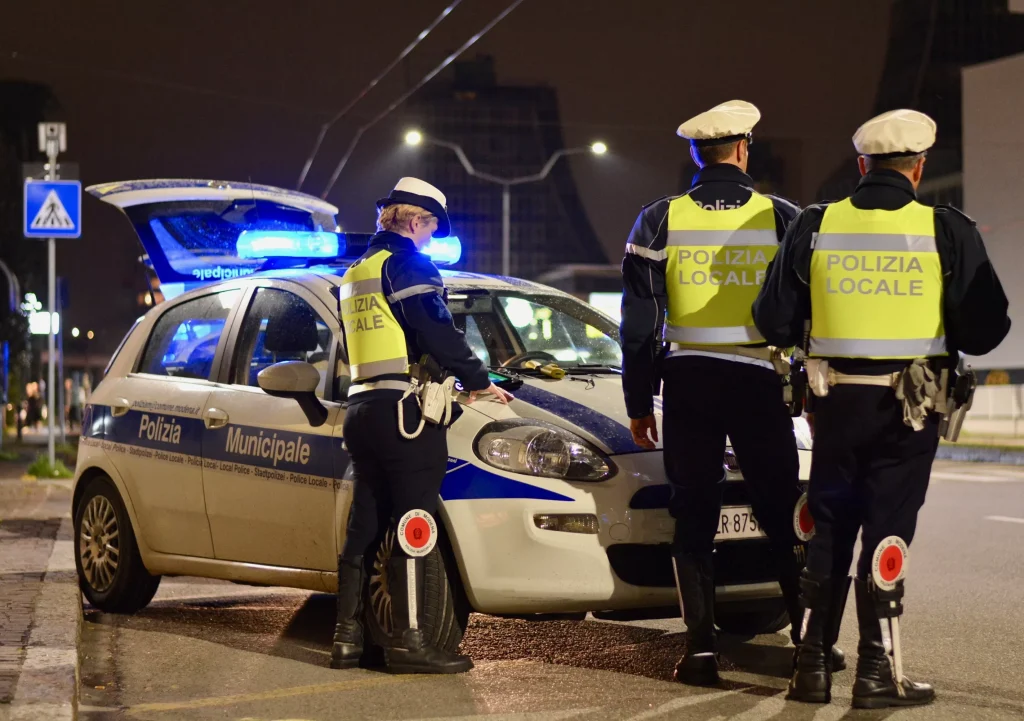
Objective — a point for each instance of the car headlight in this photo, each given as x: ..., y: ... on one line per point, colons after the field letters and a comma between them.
x: 537, y: 448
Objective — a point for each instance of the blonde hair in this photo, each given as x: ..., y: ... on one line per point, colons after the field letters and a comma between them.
x: 397, y: 217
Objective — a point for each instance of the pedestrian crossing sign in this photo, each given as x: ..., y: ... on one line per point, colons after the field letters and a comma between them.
x: 53, y: 209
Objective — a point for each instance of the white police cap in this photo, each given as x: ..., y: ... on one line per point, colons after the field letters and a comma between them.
x: 724, y: 123
x: 898, y: 132
x: 413, y: 191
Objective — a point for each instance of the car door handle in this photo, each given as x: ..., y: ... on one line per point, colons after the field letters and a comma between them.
x: 119, y: 407
x: 215, y: 418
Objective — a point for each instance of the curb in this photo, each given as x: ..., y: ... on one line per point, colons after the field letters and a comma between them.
x: 980, y: 454
x: 47, y: 689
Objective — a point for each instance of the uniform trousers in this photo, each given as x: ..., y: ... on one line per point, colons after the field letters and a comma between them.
x: 393, y: 475
x: 706, y: 399
x: 869, y: 472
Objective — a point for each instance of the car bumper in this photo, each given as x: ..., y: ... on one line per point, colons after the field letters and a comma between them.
x: 511, y: 566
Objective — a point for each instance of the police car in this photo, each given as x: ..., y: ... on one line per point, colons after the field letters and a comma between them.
x: 205, y: 454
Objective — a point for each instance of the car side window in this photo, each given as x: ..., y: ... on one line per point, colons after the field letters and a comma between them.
x: 281, y: 326
x: 184, y: 340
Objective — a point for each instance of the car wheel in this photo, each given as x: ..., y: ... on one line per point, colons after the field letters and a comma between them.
x: 446, y: 610
x: 767, y: 616
x: 110, y: 569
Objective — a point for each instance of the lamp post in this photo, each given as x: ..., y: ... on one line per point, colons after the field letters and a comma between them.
x: 415, y: 137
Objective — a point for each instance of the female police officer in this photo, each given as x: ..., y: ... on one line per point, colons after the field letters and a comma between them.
x: 393, y: 311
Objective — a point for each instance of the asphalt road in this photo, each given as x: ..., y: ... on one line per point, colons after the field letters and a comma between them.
x: 206, y: 649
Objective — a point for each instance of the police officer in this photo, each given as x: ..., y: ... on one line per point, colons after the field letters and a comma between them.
x: 699, y: 258
x: 393, y: 311
x: 886, y: 283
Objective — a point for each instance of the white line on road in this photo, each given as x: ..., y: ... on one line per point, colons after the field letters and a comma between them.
x: 977, y: 477
x: 1004, y: 519
x: 678, y: 703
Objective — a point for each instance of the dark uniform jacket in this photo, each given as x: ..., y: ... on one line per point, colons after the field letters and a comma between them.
x: 644, y: 298
x: 974, y: 305
x: 416, y: 295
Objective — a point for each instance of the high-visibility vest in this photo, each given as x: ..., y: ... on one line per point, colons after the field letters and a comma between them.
x: 876, y: 284
x: 374, y: 339
x: 717, y: 260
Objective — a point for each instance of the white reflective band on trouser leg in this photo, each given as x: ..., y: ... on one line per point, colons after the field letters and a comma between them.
x: 410, y: 586
x: 379, y: 368
x: 726, y: 335
x: 377, y: 386
x: 360, y: 287
x: 877, y: 348
x: 644, y: 252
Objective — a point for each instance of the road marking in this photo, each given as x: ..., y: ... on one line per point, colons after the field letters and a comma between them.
x: 681, y: 702
x: 978, y: 477
x: 765, y: 709
x: 1004, y: 519
x: 521, y: 716
x: 279, y: 693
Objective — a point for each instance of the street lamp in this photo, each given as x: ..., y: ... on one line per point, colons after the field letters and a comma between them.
x: 415, y: 137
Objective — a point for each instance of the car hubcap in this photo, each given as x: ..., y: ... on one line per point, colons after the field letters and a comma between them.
x: 99, y: 544
x: 380, y: 591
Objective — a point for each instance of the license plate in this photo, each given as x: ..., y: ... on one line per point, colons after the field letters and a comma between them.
x: 736, y: 523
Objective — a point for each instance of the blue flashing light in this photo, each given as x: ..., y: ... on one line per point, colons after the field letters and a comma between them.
x: 444, y: 251
x: 287, y: 244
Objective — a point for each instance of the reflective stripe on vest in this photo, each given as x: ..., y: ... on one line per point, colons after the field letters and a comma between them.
x: 876, y: 284
x: 717, y: 260
x: 374, y: 339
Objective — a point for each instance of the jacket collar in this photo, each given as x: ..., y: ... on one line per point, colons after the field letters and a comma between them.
x: 392, y: 241
x: 886, y: 178
x: 721, y: 173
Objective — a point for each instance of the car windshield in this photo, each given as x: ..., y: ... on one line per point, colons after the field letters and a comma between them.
x: 511, y: 329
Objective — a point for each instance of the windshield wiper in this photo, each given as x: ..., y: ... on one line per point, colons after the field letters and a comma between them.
x: 593, y: 368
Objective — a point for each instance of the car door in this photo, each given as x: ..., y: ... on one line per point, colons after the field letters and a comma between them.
x: 269, y: 476
x: 155, y: 430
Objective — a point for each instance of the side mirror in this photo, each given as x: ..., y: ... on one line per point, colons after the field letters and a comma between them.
x: 298, y: 380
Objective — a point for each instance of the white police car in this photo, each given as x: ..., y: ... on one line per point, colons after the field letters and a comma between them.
x: 188, y: 467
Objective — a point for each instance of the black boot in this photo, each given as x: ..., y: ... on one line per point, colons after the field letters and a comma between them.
x: 876, y: 685
x: 790, y: 567
x: 348, y: 631
x: 812, y: 662
x: 696, y: 585
x: 410, y: 651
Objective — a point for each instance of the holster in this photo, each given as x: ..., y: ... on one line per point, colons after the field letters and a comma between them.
x: 958, y: 402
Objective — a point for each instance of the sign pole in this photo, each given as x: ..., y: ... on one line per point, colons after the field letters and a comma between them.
x: 52, y: 148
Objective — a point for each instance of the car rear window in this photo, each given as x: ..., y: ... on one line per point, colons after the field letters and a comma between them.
x: 185, y: 338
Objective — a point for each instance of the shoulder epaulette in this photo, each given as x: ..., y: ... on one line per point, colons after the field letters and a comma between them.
x: 962, y: 214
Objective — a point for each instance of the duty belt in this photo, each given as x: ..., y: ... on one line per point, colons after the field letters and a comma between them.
x: 763, y: 353
x: 358, y: 388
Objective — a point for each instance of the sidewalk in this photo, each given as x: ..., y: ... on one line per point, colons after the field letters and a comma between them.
x: 40, y: 604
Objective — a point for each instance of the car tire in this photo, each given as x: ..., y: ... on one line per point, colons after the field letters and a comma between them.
x: 767, y: 616
x: 446, y: 609
x: 110, y: 570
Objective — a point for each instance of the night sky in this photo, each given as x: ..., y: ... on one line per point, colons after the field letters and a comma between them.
x: 236, y: 90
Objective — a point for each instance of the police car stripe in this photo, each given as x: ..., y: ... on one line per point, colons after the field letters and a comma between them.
x: 468, y: 482
x: 876, y: 242
x: 645, y: 252
x: 281, y: 452
x: 411, y: 291
x: 723, y: 237
x: 610, y: 432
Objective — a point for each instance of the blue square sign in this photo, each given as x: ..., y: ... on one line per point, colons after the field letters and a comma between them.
x: 53, y: 209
